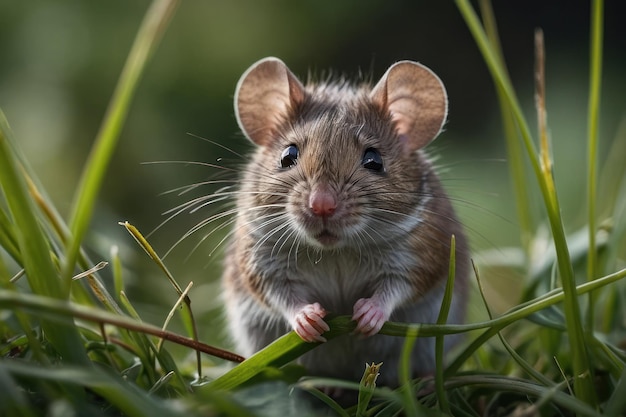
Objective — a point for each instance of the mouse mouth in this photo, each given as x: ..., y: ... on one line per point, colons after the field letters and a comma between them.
x: 327, y: 238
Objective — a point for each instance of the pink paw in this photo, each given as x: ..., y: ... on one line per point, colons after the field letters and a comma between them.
x: 369, y: 315
x: 309, y: 324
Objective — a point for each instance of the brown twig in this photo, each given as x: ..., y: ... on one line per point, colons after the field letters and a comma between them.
x: 29, y: 301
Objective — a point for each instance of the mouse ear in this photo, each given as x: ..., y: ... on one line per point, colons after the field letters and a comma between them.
x: 417, y: 101
x: 265, y: 94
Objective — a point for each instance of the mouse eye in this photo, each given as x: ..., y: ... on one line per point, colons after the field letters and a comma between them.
x: 372, y: 160
x: 289, y: 157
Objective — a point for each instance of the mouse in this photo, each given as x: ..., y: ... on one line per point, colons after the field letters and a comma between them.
x: 339, y: 210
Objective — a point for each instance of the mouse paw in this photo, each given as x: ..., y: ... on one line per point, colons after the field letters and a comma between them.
x: 370, y: 315
x: 309, y: 324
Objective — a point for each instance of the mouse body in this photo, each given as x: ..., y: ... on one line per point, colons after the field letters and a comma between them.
x: 340, y: 210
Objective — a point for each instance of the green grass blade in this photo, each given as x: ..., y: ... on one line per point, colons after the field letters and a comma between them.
x: 8, y: 240
x: 140, y: 342
x: 595, y: 79
x: 150, y: 32
x: 409, y: 401
x: 439, y: 340
x: 118, y: 280
x: 592, y: 126
x: 33, y: 245
x: 279, y: 353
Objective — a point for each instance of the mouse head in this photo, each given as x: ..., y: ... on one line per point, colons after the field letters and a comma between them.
x: 318, y: 142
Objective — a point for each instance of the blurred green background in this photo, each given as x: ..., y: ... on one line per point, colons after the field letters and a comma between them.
x: 59, y: 62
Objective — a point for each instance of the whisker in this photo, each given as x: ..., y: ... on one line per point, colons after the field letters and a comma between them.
x: 203, y: 223
x: 207, y: 221
x: 270, y: 233
x: 219, y: 244
x: 212, y: 142
x: 184, y: 189
x: 288, y: 231
x: 296, y: 242
x: 189, y: 205
x: 196, y: 163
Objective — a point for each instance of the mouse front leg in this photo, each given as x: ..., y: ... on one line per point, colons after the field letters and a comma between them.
x: 304, y: 315
x: 371, y: 313
x: 308, y: 322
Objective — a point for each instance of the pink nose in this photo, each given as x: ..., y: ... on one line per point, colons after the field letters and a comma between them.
x: 322, y: 202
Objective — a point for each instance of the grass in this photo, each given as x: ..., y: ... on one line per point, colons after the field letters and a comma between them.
x: 69, y: 345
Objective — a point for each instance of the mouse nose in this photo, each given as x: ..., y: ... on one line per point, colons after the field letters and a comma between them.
x: 322, y: 202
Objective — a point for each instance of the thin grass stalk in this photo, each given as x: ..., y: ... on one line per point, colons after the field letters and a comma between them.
x: 595, y: 80
x: 162, y: 382
x: 538, y: 376
x: 583, y: 373
x: 513, y: 315
x: 517, y: 313
x: 439, y: 340
x: 141, y: 343
x: 409, y: 401
x: 150, y: 32
x: 188, y: 318
x: 607, y: 357
x: 118, y: 280
x: 148, y: 352
x: 175, y: 307
x: 581, y: 361
x: 8, y: 240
